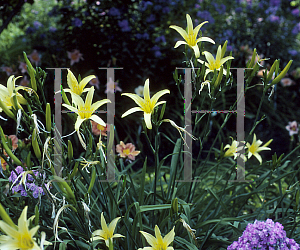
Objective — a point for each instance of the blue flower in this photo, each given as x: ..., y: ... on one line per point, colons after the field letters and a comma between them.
x: 76, y: 22
x: 124, y: 25
x: 30, y: 30
x: 295, y: 12
x: 275, y: 3
x: 274, y: 18
x: 160, y: 39
x: 206, y: 16
x: 37, y: 24
x: 114, y: 12
x: 144, y: 5
x: 293, y: 52
x: 296, y: 29
x: 150, y: 19
x: 264, y: 235
x: 220, y: 8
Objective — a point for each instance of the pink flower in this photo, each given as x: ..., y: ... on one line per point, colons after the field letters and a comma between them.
x: 24, y: 82
x: 98, y: 129
x: 95, y: 82
x: 287, y: 82
x: 127, y: 150
x: 8, y: 70
x: 75, y: 56
x: 112, y: 87
x: 292, y: 128
x: 23, y: 67
x: 35, y: 57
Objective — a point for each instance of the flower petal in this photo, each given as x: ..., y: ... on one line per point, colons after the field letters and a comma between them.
x: 146, y: 91
x: 77, y: 100
x: 147, y: 117
x: 178, y: 43
x: 71, y: 80
x: 168, y: 239
x: 205, y: 39
x: 78, y: 123
x: 8, y: 229
x: 181, y: 31
x: 103, y: 224
x: 159, y: 94
x: 97, y: 119
x: 98, y: 104
x: 132, y: 110
x: 85, y: 81
x: 157, y: 233
x: 149, y: 238
x: 209, y: 57
x: 112, y: 225
x: 137, y: 99
x: 70, y: 108
x: 196, y: 50
x: 196, y: 30
x: 190, y: 28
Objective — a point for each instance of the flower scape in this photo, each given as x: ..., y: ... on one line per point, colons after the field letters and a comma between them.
x: 117, y: 133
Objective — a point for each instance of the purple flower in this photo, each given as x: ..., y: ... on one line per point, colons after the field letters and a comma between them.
x: 156, y: 50
x: 77, y: 22
x: 124, y: 25
x: 114, y: 12
x: 274, y: 18
x: 52, y: 29
x: 37, y: 24
x: 160, y: 39
x: 165, y: 10
x: 238, y: 9
x: 206, y: 16
x: 150, y: 19
x: 220, y: 8
x: 296, y: 29
x: 275, y: 3
x: 295, y: 12
x: 30, y: 30
x: 264, y: 235
x: 144, y: 5
x: 293, y: 52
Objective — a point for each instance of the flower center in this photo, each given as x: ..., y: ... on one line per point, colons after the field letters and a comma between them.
x: 74, y: 56
x: 85, y: 112
x: 76, y: 90
x: 293, y: 128
x: 100, y: 127
x: 147, y: 106
x: 191, y: 39
x: 126, y: 151
x: 26, y: 242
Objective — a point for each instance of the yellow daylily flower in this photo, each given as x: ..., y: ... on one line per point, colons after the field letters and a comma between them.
x: 157, y: 242
x: 255, y: 148
x: 7, y: 93
x: 232, y: 150
x: 215, y: 64
x: 107, y: 232
x: 146, y: 105
x: 19, y: 237
x: 86, y: 109
x: 76, y: 88
x: 190, y: 35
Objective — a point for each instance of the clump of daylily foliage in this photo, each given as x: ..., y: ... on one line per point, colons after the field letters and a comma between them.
x: 72, y: 184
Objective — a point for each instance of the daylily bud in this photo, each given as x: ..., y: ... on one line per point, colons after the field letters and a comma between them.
x: 250, y: 65
x: 31, y: 72
x: 37, y: 215
x: 93, y: 178
x: 269, y: 77
x: 5, y: 217
x: 282, y: 74
x: 48, y: 117
x: 74, y: 170
x: 70, y: 150
x: 28, y: 160
x: 175, y: 205
x: 35, y: 145
x: 7, y: 149
x: 65, y: 188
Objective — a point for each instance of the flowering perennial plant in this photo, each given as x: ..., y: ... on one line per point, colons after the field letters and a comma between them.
x: 264, y: 235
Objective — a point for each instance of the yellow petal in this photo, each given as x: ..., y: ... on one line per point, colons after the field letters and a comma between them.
x: 190, y: 28
x: 147, y: 117
x: 159, y: 94
x: 132, y: 110
x: 150, y: 239
x: 137, y: 99
x: 85, y: 81
x: 146, y: 91
x: 181, y: 31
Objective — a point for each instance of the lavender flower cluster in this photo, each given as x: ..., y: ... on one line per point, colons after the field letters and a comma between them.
x: 264, y: 235
x: 30, y: 186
